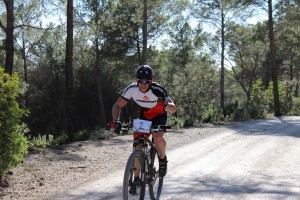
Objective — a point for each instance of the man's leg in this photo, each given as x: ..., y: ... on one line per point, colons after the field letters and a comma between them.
x: 160, y: 144
x: 137, y: 171
x: 137, y: 164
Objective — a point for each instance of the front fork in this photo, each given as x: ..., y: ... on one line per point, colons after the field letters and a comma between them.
x: 146, y: 159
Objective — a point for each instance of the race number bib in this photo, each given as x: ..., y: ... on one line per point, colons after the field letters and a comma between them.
x: 142, y: 126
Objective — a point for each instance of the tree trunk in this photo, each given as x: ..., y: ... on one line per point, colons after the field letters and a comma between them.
x: 222, y: 82
x: 277, y: 110
x: 69, y: 71
x: 138, y: 44
x: 145, y: 30
x: 291, y: 74
x: 9, y: 42
x: 296, y: 94
x: 99, y: 86
x: 25, y: 73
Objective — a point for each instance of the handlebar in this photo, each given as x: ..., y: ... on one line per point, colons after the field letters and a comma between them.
x: 155, y: 128
x: 160, y: 128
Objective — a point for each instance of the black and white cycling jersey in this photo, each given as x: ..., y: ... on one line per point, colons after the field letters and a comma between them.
x: 148, y: 99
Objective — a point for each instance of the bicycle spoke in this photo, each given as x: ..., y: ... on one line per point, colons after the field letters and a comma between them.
x: 155, y: 186
x: 133, y: 188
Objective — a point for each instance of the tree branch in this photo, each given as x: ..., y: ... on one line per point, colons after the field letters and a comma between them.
x: 35, y: 27
x: 2, y: 26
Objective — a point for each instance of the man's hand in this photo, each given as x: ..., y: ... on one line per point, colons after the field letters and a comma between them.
x: 117, y: 126
x: 170, y: 106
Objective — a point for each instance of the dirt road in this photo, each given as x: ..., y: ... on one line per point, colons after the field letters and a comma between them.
x: 248, y: 160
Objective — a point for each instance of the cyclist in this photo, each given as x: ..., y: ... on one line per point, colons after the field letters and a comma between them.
x: 154, y: 102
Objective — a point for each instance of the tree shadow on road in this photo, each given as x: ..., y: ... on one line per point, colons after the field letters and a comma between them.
x: 235, y: 188
x: 259, y: 186
x: 281, y: 126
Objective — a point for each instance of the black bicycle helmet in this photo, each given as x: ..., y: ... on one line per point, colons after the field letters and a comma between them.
x: 144, y: 72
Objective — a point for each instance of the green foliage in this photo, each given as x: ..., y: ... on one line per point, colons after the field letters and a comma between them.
x: 176, y: 122
x: 82, y: 135
x: 100, y: 134
x: 213, y: 115
x: 285, y: 99
x: 243, y: 112
x: 193, y: 88
x: 240, y: 114
x: 230, y: 108
x: 262, y: 102
x: 61, y: 139
x: 296, y: 106
x: 39, y: 142
x: 236, y: 112
x: 188, y: 122
x: 13, y: 144
x: 248, y: 51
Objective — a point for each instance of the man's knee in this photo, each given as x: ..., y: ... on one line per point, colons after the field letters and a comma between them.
x: 158, y: 135
x: 159, y: 139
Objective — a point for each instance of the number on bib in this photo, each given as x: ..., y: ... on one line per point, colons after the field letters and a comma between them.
x: 142, y: 126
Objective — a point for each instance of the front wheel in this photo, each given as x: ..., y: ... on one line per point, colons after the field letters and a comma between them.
x: 156, y: 182
x: 134, y: 188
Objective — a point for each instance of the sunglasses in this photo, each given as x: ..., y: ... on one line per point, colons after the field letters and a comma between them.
x: 144, y: 81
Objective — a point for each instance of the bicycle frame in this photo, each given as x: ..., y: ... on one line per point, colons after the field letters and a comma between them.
x: 144, y: 142
x: 143, y: 162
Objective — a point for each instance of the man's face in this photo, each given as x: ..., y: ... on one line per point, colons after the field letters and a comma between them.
x: 144, y: 84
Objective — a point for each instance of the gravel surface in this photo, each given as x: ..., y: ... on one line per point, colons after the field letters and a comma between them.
x: 254, y: 160
x: 63, y: 168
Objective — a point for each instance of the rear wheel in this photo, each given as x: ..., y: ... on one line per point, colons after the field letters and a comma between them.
x: 156, y: 182
x: 133, y: 189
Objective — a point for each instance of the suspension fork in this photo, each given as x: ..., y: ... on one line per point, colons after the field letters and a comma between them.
x: 145, y: 162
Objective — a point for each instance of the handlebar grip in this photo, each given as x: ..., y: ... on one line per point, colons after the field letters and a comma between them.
x: 166, y: 127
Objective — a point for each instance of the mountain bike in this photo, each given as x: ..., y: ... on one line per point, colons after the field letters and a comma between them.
x: 146, y: 161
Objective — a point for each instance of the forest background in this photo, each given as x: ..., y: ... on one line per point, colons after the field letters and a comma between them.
x: 65, y: 62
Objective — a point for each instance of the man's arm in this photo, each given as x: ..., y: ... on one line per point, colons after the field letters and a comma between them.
x: 116, y: 109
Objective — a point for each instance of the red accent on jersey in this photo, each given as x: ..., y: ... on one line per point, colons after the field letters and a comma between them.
x: 159, y: 109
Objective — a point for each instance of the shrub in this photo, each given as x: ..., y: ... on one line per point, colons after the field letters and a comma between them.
x: 296, y: 106
x: 241, y: 113
x: 262, y: 102
x: 231, y: 108
x: 213, y: 115
x: 39, y: 142
x: 188, y: 122
x: 100, y: 134
x: 13, y: 144
x: 82, y: 135
x: 176, y: 122
x: 60, y: 140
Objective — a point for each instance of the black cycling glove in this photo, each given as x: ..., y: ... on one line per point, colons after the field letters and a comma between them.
x: 117, y: 126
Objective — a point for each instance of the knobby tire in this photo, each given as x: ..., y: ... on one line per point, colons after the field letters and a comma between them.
x: 156, y: 182
x: 129, y: 177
